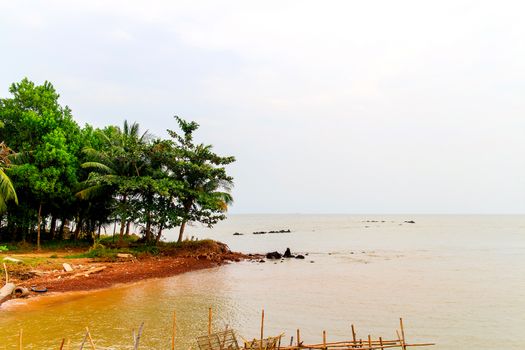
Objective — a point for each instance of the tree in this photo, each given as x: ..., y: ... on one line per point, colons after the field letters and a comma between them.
x: 47, y: 142
x: 116, y: 169
x: 205, y: 193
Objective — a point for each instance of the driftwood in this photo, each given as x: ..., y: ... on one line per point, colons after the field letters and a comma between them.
x: 89, y: 272
x: 6, y: 291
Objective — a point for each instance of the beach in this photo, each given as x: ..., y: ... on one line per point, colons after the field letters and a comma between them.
x: 456, y: 281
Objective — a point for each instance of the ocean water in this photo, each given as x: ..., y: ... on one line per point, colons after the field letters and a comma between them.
x: 458, y: 281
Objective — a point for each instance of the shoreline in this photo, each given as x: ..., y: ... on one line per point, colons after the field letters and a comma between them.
x: 112, y: 273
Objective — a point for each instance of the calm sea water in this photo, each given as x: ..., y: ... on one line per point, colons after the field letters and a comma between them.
x: 458, y: 281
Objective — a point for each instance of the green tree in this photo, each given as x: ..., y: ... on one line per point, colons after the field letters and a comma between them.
x: 47, y: 140
x: 116, y: 169
x: 205, y: 193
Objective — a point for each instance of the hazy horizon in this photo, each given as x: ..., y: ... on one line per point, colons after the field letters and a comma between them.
x: 372, y: 107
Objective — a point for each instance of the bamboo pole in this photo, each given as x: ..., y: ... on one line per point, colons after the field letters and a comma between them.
x: 298, y: 338
x: 402, y: 332
x: 209, y: 321
x: 369, y: 341
x: 353, y: 334
x: 324, y: 340
x: 137, y: 339
x: 84, y: 341
x: 174, y: 330
x: 90, y: 339
x: 381, y: 343
x: 221, y: 344
x: 262, y: 330
x: 348, y: 342
x: 6, y: 274
x: 62, y: 344
x: 374, y: 347
x: 20, y: 346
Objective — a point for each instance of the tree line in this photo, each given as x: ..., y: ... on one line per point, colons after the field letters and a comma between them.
x: 60, y: 181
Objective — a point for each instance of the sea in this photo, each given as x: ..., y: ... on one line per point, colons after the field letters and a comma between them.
x: 456, y: 281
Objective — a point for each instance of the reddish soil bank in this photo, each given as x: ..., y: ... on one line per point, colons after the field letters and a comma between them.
x: 123, y: 272
x: 89, y: 274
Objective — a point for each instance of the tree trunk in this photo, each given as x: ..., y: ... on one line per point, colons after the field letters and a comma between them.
x: 122, y: 227
x: 122, y: 222
x: 181, y: 230
x: 76, y: 234
x: 53, y: 227
x: 127, y: 228
x: 148, y: 227
x: 61, y: 229
x: 39, y: 226
x: 159, y: 234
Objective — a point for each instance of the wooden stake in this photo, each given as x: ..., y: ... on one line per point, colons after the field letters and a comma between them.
x: 224, y: 338
x: 20, y: 346
x: 209, y: 321
x: 90, y: 339
x: 174, y: 330
x: 324, y: 340
x: 369, y: 341
x: 6, y: 275
x: 262, y: 330
x: 381, y: 343
x: 402, y: 332
x: 137, y: 339
x: 298, y: 338
x: 62, y: 344
x: 399, y: 338
x: 353, y: 334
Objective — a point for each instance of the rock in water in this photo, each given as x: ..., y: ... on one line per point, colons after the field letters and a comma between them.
x: 273, y: 255
x: 288, y: 253
x: 299, y: 256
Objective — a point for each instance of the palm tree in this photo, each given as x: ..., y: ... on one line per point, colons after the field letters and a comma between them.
x: 7, y: 191
x: 121, y: 159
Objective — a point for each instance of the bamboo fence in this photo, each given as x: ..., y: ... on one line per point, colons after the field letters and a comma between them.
x: 227, y: 340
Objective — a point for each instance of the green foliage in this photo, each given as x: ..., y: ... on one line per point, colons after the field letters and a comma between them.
x: 3, y: 248
x: 7, y: 190
x: 72, y: 182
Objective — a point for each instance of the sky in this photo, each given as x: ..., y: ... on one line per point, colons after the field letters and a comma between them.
x: 328, y: 106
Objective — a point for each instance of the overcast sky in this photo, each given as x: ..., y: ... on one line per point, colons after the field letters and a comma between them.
x: 329, y: 107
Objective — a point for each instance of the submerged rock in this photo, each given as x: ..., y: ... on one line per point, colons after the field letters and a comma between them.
x: 410, y: 221
x: 273, y: 255
x: 299, y: 256
x: 238, y: 234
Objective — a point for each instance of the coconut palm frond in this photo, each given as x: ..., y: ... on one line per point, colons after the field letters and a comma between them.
x: 92, y: 192
x: 7, y: 191
x: 98, y: 166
